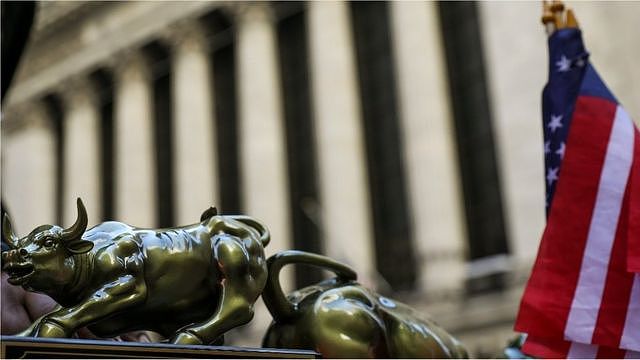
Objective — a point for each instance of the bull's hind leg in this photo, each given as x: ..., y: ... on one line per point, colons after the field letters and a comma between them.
x: 240, y: 289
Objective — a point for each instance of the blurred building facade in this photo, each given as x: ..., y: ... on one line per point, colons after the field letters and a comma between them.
x: 402, y: 138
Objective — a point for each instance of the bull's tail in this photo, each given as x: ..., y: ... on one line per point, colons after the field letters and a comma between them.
x: 209, y: 213
x: 279, y: 306
x: 265, y: 235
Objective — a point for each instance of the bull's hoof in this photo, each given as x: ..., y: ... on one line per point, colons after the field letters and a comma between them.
x: 186, y: 338
x: 50, y: 330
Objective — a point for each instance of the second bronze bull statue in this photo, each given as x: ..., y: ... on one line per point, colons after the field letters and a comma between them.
x: 191, y: 283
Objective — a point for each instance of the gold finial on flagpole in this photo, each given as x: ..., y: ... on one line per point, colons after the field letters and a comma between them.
x: 555, y: 16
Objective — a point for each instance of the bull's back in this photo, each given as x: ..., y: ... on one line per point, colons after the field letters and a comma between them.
x: 107, y: 232
x: 179, y: 271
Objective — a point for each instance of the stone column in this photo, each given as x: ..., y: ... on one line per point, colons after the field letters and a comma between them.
x: 427, y: 129
x: 135, y: 183
x: 82, y: 158
x: 28, y: 168
x: 516, y: 73
x: 195, y: 162
x: 338, y: 126
x: 262, y: 138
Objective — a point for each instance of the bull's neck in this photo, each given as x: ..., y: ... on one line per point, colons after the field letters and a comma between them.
x: 81, y: 273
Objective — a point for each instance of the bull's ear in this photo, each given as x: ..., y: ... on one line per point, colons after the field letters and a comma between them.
x: 7, y: 231
x: 79, y: 246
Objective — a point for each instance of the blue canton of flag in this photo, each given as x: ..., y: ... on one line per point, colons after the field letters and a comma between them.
x: 569, y: 62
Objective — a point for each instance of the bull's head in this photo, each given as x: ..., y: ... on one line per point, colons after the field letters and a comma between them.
x: 43, y: 260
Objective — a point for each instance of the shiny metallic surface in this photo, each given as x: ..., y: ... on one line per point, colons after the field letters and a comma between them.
x: 340, y: 318
x: 190, y: 283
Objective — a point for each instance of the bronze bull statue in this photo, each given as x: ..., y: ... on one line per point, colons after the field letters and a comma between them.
x: 190, y: 284
x: 340, y: 318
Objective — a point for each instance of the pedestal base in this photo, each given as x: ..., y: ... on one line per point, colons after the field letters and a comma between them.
x: 17, y: 347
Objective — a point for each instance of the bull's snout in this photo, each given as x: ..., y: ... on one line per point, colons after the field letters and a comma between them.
x: 9, y: 255
x: 14, y: 256
x: 16, y: 263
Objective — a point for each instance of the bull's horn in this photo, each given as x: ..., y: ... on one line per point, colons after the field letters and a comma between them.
x: 76, y: 230
x: 7, y: 231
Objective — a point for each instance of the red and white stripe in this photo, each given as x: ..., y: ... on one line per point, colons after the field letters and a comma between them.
x: 633, y: 255
x: 630, y: 338
x: 581, y: 289
x: 561, y: 349
x: 582, y: 320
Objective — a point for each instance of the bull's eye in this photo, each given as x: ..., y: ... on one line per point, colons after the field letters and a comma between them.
x: 48, y: 243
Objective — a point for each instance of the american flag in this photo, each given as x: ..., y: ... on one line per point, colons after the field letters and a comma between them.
x: 583, y: 297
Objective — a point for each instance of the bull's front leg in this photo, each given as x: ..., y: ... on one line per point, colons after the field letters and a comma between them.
x: 29, y: 331
x: 125, y: 292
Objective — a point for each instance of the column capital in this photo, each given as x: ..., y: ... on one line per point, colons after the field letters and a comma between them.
x: 130, y: 63
x: 14, y: 117
x: 187, y: 34
x: 77, y: 89
x: 27, y: 114
x: 245, y: 12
